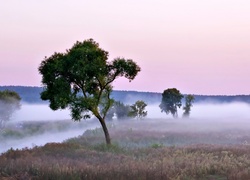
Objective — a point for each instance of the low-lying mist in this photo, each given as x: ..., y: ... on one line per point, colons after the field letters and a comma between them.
x: 201, y: 111
x: 210, y: 111
x: 207, y: 117
x: 41, y: 125
x: 38, y: 112
x: 204, y: 118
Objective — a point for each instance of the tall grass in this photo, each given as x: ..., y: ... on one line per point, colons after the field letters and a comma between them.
x: 135, y: 154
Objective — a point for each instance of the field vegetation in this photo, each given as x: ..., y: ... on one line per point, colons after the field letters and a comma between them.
x: 148, y: 149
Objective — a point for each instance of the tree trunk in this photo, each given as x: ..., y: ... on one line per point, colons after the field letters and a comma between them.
x: 105, y: 130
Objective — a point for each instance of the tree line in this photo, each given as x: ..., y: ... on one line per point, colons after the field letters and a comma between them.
x: 30, y: 94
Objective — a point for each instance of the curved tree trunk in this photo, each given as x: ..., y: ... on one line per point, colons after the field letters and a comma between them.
x: 105, y: 130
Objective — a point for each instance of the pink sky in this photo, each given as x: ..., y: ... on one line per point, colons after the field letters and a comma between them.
x: 196, y: 46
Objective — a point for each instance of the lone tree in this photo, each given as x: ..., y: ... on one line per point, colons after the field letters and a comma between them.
x: 9, y: 103
x: 138, y: 110
x: 81, y: 79
x: 171, y: 100
x: 189, y: 99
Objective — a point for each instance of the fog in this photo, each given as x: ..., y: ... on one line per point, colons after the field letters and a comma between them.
x: 42, y: 139
x: 215, y: 111
x: 203, y: 117
x: 209, y: 110
x: 31, y: 112
x: 42, y: 113
x: 212, y: 111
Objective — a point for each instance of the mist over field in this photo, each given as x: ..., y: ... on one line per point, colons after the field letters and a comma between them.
x: 56, y: 131
x: 38, y: 112
x: 217, y: 111
x: 40, y: 140
x: 204, y: 117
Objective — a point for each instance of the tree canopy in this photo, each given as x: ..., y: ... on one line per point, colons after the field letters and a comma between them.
x: 189, y: 99
x: 138, y: 110
x: 9, y: 103
x: 171, y: 100
x: 119, y: 109
x: 81, y: 79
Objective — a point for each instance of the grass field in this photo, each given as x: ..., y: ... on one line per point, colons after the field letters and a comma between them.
x: 147, y: 149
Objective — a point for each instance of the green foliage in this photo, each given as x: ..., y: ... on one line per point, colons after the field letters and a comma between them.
x: 189, y: 99
x: 171, y: 100
x: 85, y: 68
x: 9, y: 103
x: 157, y: 145
x: 119, y: 109
x: 81, y: 79
x: 9, y: 133
x: 138, y: 110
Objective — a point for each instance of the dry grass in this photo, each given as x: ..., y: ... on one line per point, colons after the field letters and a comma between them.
x: 136, y: 153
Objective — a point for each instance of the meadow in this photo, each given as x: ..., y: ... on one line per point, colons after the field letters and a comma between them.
x: 161, y: 148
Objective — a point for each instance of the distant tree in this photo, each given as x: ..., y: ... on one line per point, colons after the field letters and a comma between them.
x: 110, y: 114
x: 171, y: 100
x: 138, y: 110
x: 119, y: 109
x: 9, y: 103
x: 81, y: 79
x: 189, y: 99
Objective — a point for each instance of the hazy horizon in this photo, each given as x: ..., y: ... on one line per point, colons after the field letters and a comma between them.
x: 143, y: 91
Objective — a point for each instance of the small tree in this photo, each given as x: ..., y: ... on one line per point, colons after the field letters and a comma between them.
x: 81, y: 79
x: 171, y: 100
x: 189, y: 99
x: 119, y: 109
x: 110, y: 114
x: 9, y: 103
x: 138, y: 110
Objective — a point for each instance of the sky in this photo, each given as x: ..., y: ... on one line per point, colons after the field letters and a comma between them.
x: 196, y: 46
